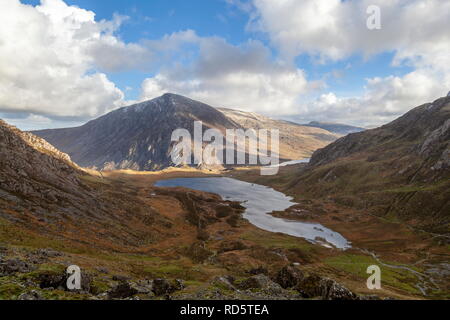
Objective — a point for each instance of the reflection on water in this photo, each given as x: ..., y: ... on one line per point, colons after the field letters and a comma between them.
x: 292, y: 162
x: 259, y: 201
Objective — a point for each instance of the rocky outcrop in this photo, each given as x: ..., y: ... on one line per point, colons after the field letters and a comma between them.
x: 163, y: 287
x: 13, y: 266
x: 289, y: 277
x: 260, y: 282
x: 314, y: 286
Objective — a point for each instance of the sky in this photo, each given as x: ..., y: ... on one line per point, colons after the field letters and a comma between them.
x: 65, y: 62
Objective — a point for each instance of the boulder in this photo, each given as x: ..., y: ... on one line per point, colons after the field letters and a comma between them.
x: 32, y: 295
x: 224, y: 282
x: 13, y: 266
x: 331, y: 290
x: 289, y: 277
x: 163, y: 287
x: 261, y: 282
x: 122, y: 291
x: 315, y: 286
x: 57, y: 280
x: 120, y: 278
x: 143, y: 286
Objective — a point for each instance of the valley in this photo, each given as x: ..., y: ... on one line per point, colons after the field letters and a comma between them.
x: 135, y: 236
x: 213, y: 263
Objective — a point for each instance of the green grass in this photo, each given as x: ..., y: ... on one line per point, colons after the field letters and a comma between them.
x: 10, y: 291
x: 357, y: 265
x: 99, y: 286
x: 277, y: 240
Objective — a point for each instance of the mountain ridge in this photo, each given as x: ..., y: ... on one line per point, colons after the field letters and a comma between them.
x: 138, y: 136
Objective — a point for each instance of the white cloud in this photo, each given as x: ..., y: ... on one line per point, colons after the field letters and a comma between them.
x: 416, y: 31
x: 384, y: 99
x: 335, y: 29
x: 48, y: 55
x: 244, y: 77
x: 53, y: 59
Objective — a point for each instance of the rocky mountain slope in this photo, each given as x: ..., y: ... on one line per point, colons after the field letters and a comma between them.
x: 341, y: 129
x: 33, y: 172
x: 42, y: 190
x: 138, y: 137
x: 400, y: 170
x: 296, y: 141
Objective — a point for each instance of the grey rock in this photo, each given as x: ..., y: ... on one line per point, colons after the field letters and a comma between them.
x: 261, y: 282
x: 289, y: 277
x: 161, y: 287
x: 122, y: 290
x: 32, y: 295
x: 224, y: 282
x: 15, y: 265
x: 327, y: 289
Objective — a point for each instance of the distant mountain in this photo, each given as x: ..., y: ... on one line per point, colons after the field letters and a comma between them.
x: 401, y: 169
x: 338, y: 128
x: 138, y: 137
x: 297, y: 141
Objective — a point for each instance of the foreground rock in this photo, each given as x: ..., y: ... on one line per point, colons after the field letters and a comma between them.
x: 315, y: 286
x: 261, y: 282
x: 289, y: 277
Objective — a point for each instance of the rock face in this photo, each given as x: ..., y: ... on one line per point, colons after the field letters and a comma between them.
x: 35, y: 175
x: 401, y: 168
x: 138, y: 137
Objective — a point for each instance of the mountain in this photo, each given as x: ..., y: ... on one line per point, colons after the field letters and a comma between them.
x: 341, y: 129
x: 399, y: 171
x: 33, y: 171
x: 42, y: 191
x: 138, y: 137
x: 296, y: 141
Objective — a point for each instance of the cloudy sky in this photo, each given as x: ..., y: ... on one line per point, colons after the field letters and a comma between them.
x: 63, y: 62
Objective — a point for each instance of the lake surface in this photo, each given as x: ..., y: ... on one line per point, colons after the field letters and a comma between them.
x: 292, y: 162
x: 259, y: 201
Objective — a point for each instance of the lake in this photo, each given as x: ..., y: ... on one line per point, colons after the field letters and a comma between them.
x: 259, y: 201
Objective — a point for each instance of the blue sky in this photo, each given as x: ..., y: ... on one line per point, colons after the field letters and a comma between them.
x: 155, y: 18
x: 297, y: 60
